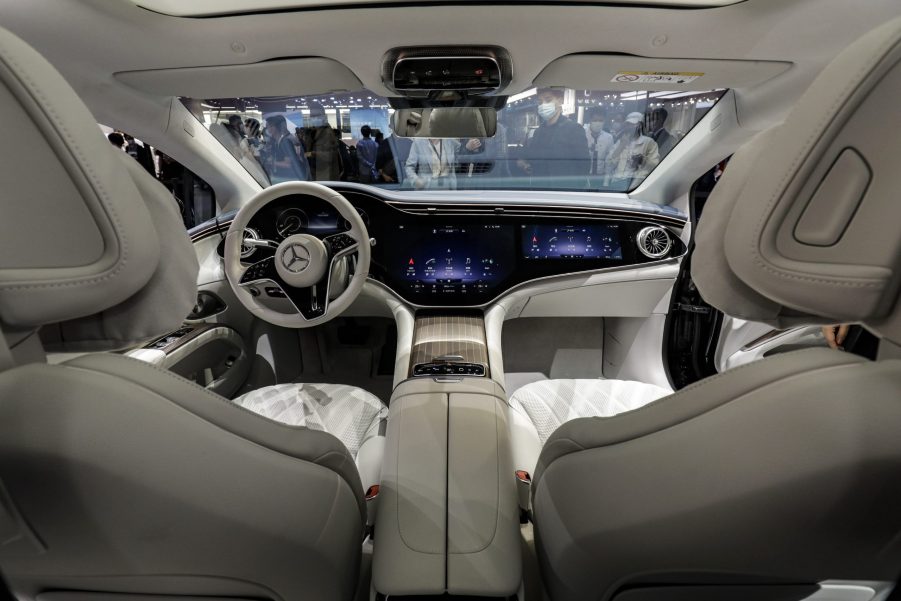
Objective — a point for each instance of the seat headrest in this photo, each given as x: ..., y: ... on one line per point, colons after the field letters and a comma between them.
x: 83, y: 232
x: 802, y: 227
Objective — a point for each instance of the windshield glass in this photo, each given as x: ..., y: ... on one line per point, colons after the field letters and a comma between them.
x: 546, y: 139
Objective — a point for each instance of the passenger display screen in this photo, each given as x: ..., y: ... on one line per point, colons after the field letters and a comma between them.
x: 571, y: 242
x: 460, y: 261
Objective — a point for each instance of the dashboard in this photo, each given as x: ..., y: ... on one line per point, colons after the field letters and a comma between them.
x: 466, y: 255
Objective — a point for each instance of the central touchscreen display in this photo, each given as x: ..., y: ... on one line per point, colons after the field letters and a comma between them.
x: 461, y: 261
x: 571, y: 242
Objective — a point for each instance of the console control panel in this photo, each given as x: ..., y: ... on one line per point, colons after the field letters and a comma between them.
x: 448, y: 369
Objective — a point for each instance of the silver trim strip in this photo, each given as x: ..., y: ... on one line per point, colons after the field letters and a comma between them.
x: 452, y: 207
x: 514, y: 288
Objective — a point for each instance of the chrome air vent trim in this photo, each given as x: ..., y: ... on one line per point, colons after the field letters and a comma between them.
x: 654, y: 242
x: 247, y: 249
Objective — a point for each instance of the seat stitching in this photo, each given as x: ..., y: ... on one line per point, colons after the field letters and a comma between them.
x: 47, y: 108
x: 816, y: 133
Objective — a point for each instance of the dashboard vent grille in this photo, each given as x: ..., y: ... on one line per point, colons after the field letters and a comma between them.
x: 654, y: 242
x: 247, y: 249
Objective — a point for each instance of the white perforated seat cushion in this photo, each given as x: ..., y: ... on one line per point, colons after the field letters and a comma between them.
x: 355, y: 417
x: 540, y: 408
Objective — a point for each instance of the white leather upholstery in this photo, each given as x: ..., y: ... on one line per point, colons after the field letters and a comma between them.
x: 117, y: 476
x: 75, y: 237
x: 781, y: 470
x: 787, y: 236
x: 541, y: 407
x: 551, y: 403
x: 355, y: 417
x: 158, y: 307
x: 784, y: 469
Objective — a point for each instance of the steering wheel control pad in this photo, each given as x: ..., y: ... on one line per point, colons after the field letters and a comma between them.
x: 301, y: 260
x: 340, y: 242
x: 261, y: 270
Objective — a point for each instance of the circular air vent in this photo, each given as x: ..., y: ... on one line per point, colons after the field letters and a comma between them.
x: 247, y: 249
x: 654, y: 242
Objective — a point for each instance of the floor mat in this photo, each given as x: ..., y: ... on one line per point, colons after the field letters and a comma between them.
x: 353, y: 351
x: 353, y: 367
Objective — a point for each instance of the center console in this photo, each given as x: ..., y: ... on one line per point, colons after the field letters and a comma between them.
x: 449, y: 345
x: 448, y: 513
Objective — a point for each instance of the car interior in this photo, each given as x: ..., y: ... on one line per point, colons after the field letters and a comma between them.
x: 346, y: 300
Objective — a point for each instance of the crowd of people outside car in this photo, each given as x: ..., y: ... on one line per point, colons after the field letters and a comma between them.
x: 194, y: 197
x: 609, y: 150
x: 158, y: 164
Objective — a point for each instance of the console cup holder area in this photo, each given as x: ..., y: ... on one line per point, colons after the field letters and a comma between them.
x: 212, y: 355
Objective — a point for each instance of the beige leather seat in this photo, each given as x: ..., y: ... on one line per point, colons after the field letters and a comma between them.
x: 115, y: 476
x: 766, y: 480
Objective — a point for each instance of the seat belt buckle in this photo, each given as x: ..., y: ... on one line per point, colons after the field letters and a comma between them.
x: 372, y: 501
x: 524, y: 495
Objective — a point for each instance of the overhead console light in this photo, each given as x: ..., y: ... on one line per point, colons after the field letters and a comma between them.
x: 447, y: 75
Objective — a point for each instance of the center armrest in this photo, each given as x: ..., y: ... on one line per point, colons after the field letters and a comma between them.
x: 448, y: 514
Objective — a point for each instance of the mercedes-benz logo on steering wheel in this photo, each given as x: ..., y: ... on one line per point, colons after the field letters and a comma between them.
x: 295, y: 258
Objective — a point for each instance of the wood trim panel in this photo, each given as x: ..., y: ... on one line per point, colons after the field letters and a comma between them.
x: 436, y: 335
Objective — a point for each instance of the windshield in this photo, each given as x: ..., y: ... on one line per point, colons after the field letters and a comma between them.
x: 546, y: 139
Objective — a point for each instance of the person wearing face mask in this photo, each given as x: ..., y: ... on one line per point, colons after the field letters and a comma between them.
x: 616, y: 124
x: 600, y: 144
x: 557, y: 153
x: 634, y: 155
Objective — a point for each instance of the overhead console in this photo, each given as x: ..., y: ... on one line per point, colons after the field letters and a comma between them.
x: 447, y: 75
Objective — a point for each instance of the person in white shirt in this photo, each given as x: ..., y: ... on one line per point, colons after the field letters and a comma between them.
x: 600, y: 145
x: 430, y: 164
x: 634, y: 155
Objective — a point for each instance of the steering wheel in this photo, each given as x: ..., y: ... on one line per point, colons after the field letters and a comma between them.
x: 305, y: 269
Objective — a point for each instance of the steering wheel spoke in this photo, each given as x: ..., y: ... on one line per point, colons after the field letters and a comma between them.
x: 311, y: 302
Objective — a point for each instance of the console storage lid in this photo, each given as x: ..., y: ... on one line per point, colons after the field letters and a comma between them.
x: 448, y: 517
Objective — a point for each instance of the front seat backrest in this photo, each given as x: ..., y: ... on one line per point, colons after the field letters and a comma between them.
x: 117, y: 477
x: 764, y: 481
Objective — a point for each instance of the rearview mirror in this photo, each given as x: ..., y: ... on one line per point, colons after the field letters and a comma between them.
x: 463, y: 122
